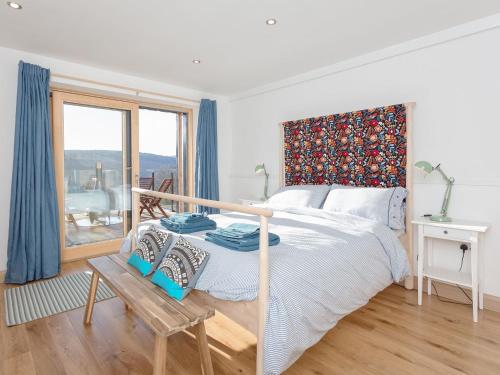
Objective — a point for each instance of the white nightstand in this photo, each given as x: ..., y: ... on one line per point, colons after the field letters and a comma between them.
x: 459, y: 231
x: 250, y: 201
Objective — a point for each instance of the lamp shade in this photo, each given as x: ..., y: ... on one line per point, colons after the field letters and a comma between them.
x: 425, y: 166
x: 260, y: 169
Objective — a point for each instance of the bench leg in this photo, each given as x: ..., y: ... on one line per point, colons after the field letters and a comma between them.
x: 94, y: 283
x: 206, y: 361
x: 160, y: 358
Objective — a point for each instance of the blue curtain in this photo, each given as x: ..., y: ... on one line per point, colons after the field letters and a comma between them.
x: 206, y: 172
x: 33, y: 247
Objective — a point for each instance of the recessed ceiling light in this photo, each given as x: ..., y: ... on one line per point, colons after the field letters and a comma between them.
x: 271, y: 21
x: 14, y: 5
x: 196, y: 61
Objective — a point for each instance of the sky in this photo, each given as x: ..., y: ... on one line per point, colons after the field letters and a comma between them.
x: 89, y: 128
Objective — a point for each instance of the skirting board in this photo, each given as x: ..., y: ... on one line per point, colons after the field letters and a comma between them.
x: 449, y: 291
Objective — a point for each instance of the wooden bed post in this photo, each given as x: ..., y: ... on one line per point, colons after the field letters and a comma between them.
x: 409, y: 281
x: 263, y: 292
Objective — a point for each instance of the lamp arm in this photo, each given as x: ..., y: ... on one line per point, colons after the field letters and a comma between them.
x: 266, y: 186
x: 266, y: 182
x: 438, y: 168
x: 447, y: 195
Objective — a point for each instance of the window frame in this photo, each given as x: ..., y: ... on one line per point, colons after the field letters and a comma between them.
x: 67, y: 94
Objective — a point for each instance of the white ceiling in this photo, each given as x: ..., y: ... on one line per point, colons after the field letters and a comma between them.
x: 158, y: 39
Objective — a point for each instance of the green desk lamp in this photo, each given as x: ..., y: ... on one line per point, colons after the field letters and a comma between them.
x: 260, y: 169
x: 428, y: 168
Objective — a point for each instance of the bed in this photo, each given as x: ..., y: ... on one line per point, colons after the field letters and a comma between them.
x: 326, y: 266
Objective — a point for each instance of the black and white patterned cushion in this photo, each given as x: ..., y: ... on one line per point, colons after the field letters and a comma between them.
x: 184, y: 263
x: 152, y: 246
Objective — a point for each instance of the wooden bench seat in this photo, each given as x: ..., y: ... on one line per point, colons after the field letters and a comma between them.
x: 164, y: 315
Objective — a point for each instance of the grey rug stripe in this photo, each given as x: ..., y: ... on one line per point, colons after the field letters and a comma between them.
x: 44, y: 298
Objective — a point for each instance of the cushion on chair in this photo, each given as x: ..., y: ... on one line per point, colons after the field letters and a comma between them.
x: 180, y: 268
x: 152, y: 246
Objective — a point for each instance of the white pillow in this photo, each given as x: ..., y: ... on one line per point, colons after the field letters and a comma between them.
x: 340, y: 186
x: 385, y: 205
x: 300, y: 196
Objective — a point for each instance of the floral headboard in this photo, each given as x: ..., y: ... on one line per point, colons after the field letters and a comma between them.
x: 361, y: 148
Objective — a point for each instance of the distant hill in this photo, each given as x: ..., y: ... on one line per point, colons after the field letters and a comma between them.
x: 87, y: 159
x: 152, y: 162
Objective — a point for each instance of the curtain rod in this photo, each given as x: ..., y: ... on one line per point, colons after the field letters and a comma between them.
x: 137, y: 91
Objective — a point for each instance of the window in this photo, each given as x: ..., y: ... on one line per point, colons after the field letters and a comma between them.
x: 104, y: 147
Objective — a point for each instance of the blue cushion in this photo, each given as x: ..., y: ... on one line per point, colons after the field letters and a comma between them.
x: 180, y: 269
x: 143, y: 266
x: 172, y: 289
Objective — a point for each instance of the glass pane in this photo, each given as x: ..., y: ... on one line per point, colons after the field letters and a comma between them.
x: 158, y: 159
x: 97, y: 160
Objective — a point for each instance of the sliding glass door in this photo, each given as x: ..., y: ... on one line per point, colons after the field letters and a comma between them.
x: 163, y: 158
x: 94, y: 155
x: 104, y: 147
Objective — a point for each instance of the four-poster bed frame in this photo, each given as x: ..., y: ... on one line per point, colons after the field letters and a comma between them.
x: 229, y: 306
x: 253, y: 314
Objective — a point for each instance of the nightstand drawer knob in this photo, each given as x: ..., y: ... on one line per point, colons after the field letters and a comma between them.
x: 445, y: 232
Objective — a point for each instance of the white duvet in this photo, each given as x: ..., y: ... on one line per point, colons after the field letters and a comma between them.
x: 326, y: 266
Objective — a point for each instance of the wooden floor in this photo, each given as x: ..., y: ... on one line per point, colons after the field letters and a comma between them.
x: 390, y: 335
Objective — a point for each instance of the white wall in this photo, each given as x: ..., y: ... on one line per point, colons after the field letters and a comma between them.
x: 9, y: 59
x: 456, y: 85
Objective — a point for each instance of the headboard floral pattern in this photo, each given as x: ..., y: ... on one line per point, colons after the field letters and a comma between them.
x: 361, y: 148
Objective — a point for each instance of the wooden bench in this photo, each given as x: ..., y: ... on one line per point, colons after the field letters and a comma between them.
x: 164, y: 315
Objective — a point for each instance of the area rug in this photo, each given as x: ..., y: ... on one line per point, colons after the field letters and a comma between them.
x: 44, y: 298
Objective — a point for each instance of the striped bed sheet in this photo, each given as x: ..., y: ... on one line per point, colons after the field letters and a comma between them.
x: 326, y: 266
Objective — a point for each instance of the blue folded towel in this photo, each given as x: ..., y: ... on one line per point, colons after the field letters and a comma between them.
x: 187, y: 217
x: 240, y: 230
x: 198, y: 226
x: 241, y: 246
x: 240, y: 237
x: 242, y: 241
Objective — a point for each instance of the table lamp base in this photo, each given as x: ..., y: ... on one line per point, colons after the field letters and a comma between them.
x: 441, y: 218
